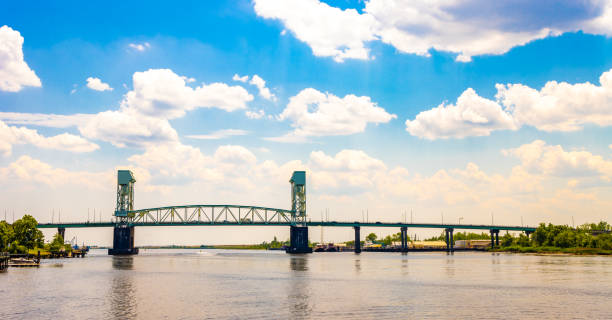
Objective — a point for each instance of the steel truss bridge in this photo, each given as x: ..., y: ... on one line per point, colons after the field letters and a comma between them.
x: 237, y: 215
x: 126, y: 218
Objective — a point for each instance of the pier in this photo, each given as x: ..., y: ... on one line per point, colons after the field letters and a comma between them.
x: 4, y: 260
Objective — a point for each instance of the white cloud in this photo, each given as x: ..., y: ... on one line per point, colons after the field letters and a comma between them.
x: 257, y: 114
x: 329, y: 31
x: 10, y: 136
x: 26, y: 169
x: 162, y: 93
x: 188, y: 79
x: 472, y: 115
x: 467, y: 28
x: 545, y: 159
x: 128, y: 129
x: 142, y: 119
x: 45, y: 120
x: 558, y: 106
x: 261, y: 86
x: 220, y: 134
x: 244, y: 79
x: 14, y: 71
x: 98, y: 85
x: 140, y: 46
x: 345, y: 160
x: 314, y: 113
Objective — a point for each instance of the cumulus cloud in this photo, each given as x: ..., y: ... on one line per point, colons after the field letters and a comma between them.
x: 98, y: 85
x: 542, y: 158
x: 261, y: 86
x: 314, y: 113
x: 558, y: 106
x: 255, y: 114
x: 219, y: 134
x: 26, y: 169
x: 329, y: 31
x: 159, y: 95
x: 467, y: 28
x: 472, y: 115
x: 128, y: 129
x: 14, y: 71
x: 244, y: 79
x: 140, y: 46
x: 163, y: 93
x: 10, y: 136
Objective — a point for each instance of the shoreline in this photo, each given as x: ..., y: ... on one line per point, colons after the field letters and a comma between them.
x: 555, y: 251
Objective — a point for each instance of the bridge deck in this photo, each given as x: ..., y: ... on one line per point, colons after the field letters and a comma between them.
x: 237, y: 215
x: 109, y: 224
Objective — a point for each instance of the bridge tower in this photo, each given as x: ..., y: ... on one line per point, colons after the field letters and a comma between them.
x: 299, y: 229
x: 123, y: 233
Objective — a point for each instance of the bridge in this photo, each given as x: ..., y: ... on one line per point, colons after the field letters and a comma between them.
x: 127, y: 218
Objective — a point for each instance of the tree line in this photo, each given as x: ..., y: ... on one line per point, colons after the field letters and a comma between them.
x: 23, y: 235
x: 589, y: 235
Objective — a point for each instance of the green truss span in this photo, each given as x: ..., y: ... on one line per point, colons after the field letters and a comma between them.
x: 280, y: 224
x: 231, y: 215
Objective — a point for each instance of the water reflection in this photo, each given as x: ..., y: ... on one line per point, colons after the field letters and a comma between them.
x: 123, y: 262
x: 122, y: 293
x: 299, y: 287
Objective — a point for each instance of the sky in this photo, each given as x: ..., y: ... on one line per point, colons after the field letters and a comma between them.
x: 463, y: 111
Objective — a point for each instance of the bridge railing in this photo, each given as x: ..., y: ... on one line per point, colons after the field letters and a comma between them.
x: 211, y: 214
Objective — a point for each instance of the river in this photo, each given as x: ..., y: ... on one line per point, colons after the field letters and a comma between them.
x: 199, y: 284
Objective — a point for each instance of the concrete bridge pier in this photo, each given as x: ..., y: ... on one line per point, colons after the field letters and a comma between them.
x: 357, y: 239
x: 528, y: 233
x: 450, y: 243
x: 62, y: 232
x: 298, y: 240
x: 404, y: 238
x: 494, y: 238
x: 123, y: 240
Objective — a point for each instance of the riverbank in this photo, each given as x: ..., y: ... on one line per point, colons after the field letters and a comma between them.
x: 553, y: 250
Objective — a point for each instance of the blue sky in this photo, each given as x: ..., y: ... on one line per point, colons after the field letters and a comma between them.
x: 543, y: 154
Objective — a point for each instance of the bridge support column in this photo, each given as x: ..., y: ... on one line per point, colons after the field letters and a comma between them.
x: 298, y: 240
x: 450, y: 245
x: 497, y: 238
x: 404, y: 237
x: 528, y: 233
x: 446, y: 239
x: 62, y: 232
x: 357, y: 239
x: 123, y: 240
x: 494, y: 238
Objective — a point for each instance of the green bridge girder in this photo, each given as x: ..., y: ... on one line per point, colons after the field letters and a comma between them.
x: 234, y: 215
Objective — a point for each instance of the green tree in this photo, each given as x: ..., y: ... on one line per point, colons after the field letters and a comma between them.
x: 565, y: 239
x: 6, y: 235
x: 507, y: 240
x: 371, y: 237
x: 523, y: 241
x: 57, y: 244
x: 27, y: 233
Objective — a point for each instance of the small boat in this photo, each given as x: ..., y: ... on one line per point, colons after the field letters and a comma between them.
x: 23, y: 262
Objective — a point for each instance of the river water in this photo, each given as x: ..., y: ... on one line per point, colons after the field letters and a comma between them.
x: 197, y: 284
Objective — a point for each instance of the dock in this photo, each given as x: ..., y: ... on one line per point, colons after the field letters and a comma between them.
x: 4, y: 260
